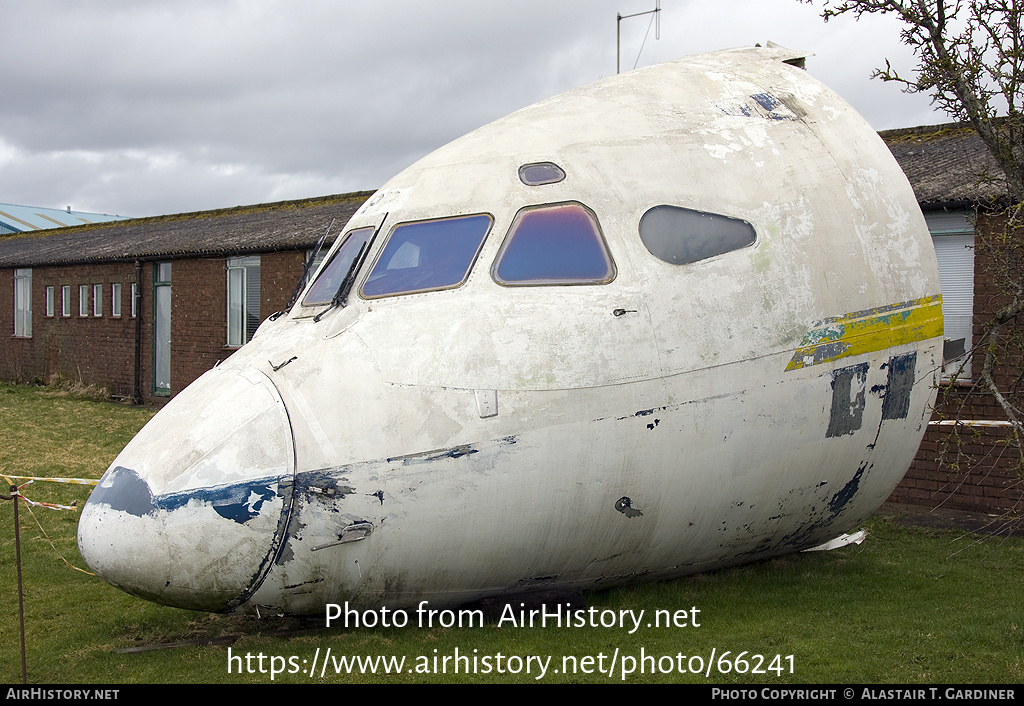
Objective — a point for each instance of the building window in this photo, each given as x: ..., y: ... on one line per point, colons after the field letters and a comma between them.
x: 162, y: 328
x: 953, y: 237
x: 314, y: 258
x: 115, y: 299
x: 83, y: 300
x: 243, y: 299
x: 23, y: 303
x: 97, y: 300
x: 51, y: 295
x: 135, y: 299
x: 65, y: 300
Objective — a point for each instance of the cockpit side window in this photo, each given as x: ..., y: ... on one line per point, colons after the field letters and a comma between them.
x: 681, y: 235
x: 554, y: 244
x: 333, y: 274
x: 427, y: 255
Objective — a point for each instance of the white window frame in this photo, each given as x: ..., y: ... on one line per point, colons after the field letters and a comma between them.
x: 97, y: 300
x: 65, y: 300
x: 51, y: 300
x: 83, y: 300
x: 115, y: 299
x: 953, y: 237
x: 135, y: 299
x: 243, y: 314
x: 23, y: 303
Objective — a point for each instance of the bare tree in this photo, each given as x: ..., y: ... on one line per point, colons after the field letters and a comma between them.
x: 970, y: 59
x: 970, y: 56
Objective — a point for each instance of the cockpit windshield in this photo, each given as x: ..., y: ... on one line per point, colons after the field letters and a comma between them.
x: 332, y: 276
x: 424, y: 256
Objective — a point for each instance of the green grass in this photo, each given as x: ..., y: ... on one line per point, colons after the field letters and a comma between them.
x: 903, y: 607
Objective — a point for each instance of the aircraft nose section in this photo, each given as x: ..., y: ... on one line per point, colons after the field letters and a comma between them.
x: 192, y: 512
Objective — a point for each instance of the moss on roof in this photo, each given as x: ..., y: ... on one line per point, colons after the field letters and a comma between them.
x: 267, y: 227
x: 946, y: 164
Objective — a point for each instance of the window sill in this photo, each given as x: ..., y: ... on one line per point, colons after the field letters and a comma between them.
x: 959, y: 384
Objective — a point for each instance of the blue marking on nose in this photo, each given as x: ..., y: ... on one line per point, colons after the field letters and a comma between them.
x: 125, y: 490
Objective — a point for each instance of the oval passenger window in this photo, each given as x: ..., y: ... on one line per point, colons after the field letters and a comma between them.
x: 681, y: 235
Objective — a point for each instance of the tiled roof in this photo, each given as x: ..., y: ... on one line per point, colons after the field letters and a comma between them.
x: 948, y: 165
x: 285, y: 225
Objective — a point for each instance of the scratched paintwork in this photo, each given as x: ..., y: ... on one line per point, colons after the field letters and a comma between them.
x: 673, y: 420
x: 868, y: 331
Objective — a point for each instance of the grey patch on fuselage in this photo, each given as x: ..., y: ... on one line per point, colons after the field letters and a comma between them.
x: 125, y: 490
x: 824, y: 352
x: 847, y: 400
x: 899, y: 384
x: 625, y: 506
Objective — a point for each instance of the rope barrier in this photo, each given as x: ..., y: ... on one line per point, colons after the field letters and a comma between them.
x: 76, y: 481
x: 29, y: 504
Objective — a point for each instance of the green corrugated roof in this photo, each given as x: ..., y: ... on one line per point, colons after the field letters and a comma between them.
x: 14, y: 218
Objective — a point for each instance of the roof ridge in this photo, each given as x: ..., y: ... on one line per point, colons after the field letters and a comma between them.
x: 211, y: 213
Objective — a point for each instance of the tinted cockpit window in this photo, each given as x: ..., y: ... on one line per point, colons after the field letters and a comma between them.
x: 333, y: 274
x: 427, y: 255
x: 681, y: 235
x: 559, y: 244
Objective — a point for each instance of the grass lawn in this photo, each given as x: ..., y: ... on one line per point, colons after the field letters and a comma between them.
x: 905, y: 606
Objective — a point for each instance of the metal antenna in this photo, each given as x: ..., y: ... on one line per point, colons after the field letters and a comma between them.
x: 618, y: 30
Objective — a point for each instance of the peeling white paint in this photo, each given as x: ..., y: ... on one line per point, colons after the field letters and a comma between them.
x: 484, y: 440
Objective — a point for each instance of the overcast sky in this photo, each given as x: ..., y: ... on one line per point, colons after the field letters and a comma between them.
x: 144, y: 107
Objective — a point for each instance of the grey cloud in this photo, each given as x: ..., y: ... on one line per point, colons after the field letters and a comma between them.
x: 189, y: 105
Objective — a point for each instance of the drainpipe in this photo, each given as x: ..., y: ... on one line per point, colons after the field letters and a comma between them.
x: 137, y: 391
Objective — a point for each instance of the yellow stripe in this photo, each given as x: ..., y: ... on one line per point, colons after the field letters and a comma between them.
x: 869, y: 330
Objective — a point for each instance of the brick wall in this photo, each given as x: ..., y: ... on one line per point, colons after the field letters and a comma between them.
x: 89, y: 349
x: 101, y: 350
x: 972, y: 468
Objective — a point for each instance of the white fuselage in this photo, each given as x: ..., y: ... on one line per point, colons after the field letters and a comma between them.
x: 492, y: 437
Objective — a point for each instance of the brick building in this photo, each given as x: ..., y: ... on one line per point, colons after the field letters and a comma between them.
x: 144, y: 306
x: 973, y: 466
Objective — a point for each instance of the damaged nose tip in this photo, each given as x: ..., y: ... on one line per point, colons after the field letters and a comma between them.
x: 124, y: 489
x: 118, y: 536
x: 190, y: 513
